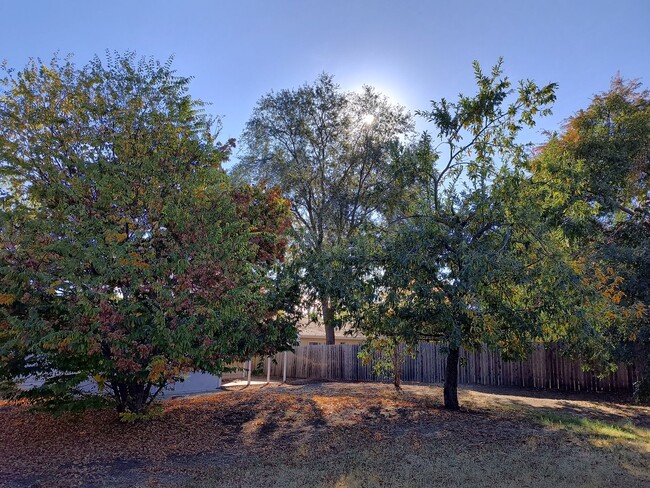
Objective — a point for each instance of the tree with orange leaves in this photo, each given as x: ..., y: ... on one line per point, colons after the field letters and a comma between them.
x: 593, y: 182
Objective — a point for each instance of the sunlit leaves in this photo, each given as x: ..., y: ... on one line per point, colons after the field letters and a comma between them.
x: 330, y: 153
x: 591, y: 180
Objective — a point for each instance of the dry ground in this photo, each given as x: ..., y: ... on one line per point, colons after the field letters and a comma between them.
x: 336, y: 435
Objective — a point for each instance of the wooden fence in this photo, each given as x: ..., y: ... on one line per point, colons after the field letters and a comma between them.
x: 545, y: 368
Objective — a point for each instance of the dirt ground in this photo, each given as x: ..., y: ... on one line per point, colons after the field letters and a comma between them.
x: 336, y: 435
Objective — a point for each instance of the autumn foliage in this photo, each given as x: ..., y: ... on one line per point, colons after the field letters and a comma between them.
x: 127, y: 254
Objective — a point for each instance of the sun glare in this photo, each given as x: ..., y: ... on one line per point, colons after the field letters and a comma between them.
x: 368, y: 119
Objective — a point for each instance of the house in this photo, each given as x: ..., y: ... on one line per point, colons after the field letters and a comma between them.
x: 311, y: 333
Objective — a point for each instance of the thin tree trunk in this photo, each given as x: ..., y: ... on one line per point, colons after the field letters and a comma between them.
x: 397, y: 368
x: 641, y: 387
x: 451, y: 379
x: 328, y: 320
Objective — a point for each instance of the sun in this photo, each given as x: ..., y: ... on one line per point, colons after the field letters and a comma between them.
x: 368, y: 119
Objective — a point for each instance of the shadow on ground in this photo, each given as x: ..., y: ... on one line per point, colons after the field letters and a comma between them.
x: 334, y: 434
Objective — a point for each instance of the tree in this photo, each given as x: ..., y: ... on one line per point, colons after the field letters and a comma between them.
x: 472, y: 263
x: 330, y: 153
x: 386, y: 354
x: 592, y: 181
x: 127, y: 254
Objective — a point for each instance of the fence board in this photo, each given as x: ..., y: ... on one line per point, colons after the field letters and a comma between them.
x: 545, y: 368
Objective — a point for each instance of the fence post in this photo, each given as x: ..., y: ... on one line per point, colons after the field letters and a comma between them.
x: 284, y: 368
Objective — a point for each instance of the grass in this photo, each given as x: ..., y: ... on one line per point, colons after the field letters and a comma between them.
x: 595, y: 428
x: 412, y: 461
x: 335, y: 435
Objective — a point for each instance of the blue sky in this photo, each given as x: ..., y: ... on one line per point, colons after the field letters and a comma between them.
x: 414, y: 51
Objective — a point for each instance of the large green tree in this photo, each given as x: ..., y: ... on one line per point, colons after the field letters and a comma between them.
x: 126, y: 253
x: 330, y: 152
x: 593, y: 182
x: 472, y: 263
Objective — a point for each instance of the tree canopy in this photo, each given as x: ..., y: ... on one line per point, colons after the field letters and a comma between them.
x: 592, y: 181
x: 127, y: 254
x: 473, y: 263
x: 330, y: 152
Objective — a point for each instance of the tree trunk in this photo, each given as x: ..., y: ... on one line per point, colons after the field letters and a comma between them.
x: 328, y: 320
x: 451, y: 379
x: 131, y: 396
x: 641, y: 387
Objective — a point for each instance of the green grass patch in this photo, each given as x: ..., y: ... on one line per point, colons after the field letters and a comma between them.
x: 595, y: 428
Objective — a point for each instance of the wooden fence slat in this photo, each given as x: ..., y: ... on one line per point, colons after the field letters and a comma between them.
x: 544, y: 368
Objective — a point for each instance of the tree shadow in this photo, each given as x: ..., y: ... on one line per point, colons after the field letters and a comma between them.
x: 299, y: 425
